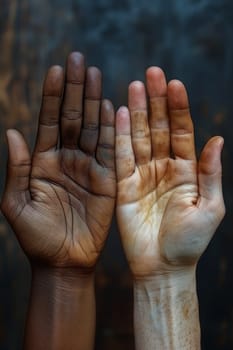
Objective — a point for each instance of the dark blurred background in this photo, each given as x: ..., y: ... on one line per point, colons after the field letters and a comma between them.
x: 191, y: 40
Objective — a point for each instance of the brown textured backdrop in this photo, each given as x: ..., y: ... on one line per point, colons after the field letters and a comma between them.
x: 192, y: 40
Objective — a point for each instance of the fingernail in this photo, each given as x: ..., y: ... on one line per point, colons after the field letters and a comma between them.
x: 123, y: 110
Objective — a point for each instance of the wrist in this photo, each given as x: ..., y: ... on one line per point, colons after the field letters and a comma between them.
x: 178, y: 279
x: 166, y: 314
x: 61, y: 312
x: 63, y: 280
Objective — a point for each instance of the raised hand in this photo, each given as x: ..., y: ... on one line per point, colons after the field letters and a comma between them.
x: 168, y: 207
x: 168, y: 203
x: 60, y: 201
x: 60, y: 204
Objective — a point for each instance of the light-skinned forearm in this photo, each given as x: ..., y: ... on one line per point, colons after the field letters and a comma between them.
x: 166, y: 315
x: 61, y: 312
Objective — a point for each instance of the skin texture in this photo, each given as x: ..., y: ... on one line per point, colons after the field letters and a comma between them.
x: 60, y: 202
x: 169, y: 205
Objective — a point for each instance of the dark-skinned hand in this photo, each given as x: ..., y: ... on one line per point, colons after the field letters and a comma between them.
x: 60, y: 200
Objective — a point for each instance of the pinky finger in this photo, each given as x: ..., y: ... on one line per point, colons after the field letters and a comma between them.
x: 125, y: 160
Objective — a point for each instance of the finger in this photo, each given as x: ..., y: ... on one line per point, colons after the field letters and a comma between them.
x: 125, y: 162
x: 18, y: 171
x: 158, y: 120
x: 181, y: 125
x: 210, y: 171
x: 72, y: 108
x: 48, y: 129
x: 139, y: 123
x: 90, y: 128
x: 106, y: 143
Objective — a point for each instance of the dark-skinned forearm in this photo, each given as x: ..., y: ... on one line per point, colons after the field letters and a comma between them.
x: 61, y: 312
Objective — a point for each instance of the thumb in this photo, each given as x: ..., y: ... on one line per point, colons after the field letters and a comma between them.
x: 18, y: 171
x: 210, y: 173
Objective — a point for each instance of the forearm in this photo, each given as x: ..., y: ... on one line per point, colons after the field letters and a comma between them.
x: 166, y: 313
x: 61, y: 312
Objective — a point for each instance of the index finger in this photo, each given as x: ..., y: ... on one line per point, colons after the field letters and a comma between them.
x: 48, y: 128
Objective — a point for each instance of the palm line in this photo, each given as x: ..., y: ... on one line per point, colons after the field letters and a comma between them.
x: 66, y: 225
x: 53, y: 184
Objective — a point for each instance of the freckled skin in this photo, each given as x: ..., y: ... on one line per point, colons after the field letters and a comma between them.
x: 164, y: 192
x: 169, y: 205
x: 60, y: 203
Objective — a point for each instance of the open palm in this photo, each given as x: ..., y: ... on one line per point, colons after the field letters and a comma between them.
x: 60, y: 202
x: 168, y: 204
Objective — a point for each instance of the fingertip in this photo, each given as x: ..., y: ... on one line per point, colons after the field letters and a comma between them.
x: 53, y: 83
x: 137, y: 95
x: 75, y: 57
x: 94, y: 71
x: 75, y: 67
x: 55, y: 70
x: 107, y: 105
x: 136, y: 87
x: 177, y: 95
x: 122, y: 113
x: 219, y: 141
x: 215, y: 142
x: 156, y: 82
x: 13, y: 134
x: 10, y: 132
x: 210, y: 160
x: 123, y: 110
x: 107, y: 112
x: 93, y: 86
x: 136, y: 84
x: 154, y: 71
x: 176, y: 84
x: 122, y: 121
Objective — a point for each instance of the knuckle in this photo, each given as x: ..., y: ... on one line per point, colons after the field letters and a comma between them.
x: 71, y: 114
x: 91, y: 126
